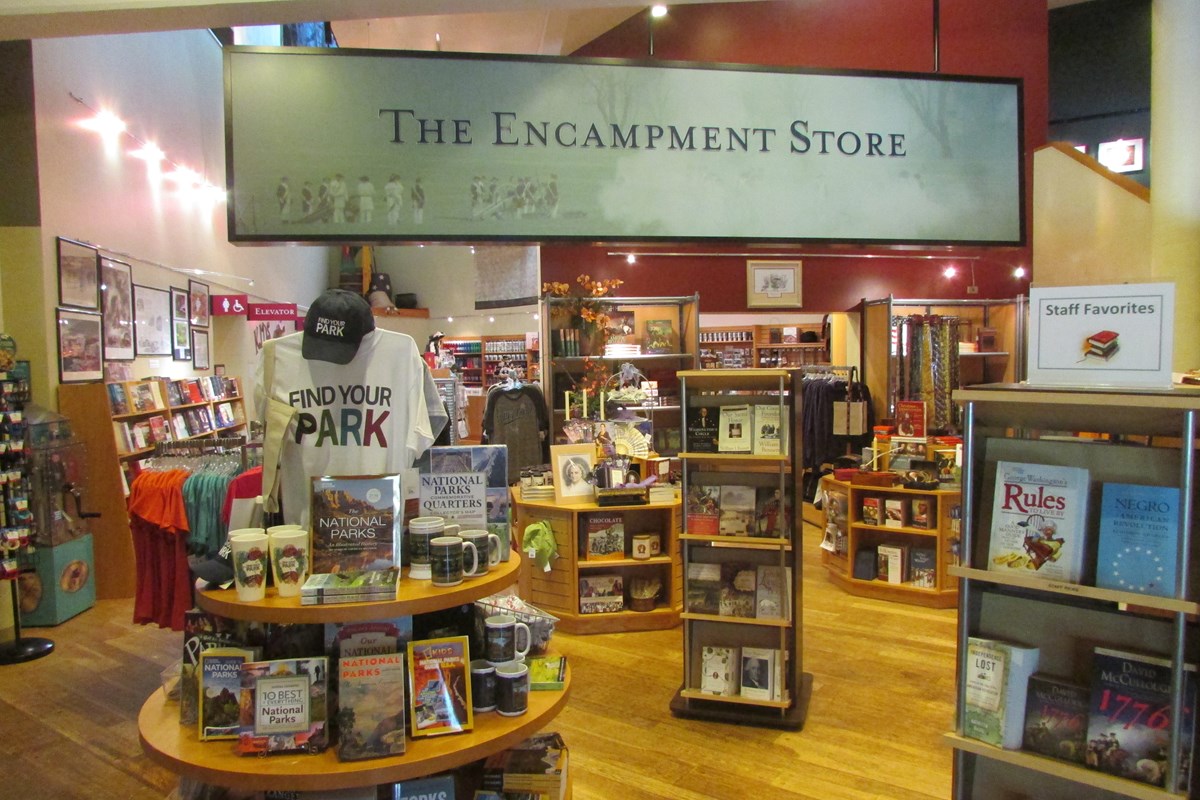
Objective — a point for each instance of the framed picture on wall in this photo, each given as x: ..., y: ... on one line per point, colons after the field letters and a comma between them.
x: 179, y: 304
x: 181, y: 339
x: 200, y: 358
x: 773, y: 284
x: 198, y: 300
x: 151, y: 321
x: 78, y: 275
x: 116, y: 292
x: 80, y: 348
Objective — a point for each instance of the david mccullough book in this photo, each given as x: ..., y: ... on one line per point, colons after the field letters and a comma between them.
x: 1038, y: 520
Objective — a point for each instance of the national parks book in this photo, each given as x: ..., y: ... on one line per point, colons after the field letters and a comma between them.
x: 467, y: 485
x: 219, y: 687
x: 371, y: 706
x: 356, y: 523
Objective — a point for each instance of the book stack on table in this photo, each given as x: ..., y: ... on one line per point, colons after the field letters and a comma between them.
x: 349, y: 587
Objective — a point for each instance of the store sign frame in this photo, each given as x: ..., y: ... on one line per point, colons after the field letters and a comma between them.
x: 460, y: 147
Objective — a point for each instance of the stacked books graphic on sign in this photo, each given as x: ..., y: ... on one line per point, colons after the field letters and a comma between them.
x: 1102, y: 345
x: 1139, y: 539
x: 1038, y: 518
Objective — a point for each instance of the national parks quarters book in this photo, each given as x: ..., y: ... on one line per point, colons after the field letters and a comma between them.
x: 1039, y: 515
x: 1139, y: 539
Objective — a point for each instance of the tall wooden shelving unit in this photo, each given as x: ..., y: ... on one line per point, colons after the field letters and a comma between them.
x: 178, y: 749
x: 1152, y: 434
x: 88, y: 407
x: 713, y: 388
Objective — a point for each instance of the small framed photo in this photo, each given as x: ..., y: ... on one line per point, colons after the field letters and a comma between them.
x: 179, y: 304
x: 181, y: 339
x: 573, y: 466
x: 1122, y: 155
x: 78, y: 275
x: 80, y: 348
x: 200, y: 358
x: 151, y: 321
x: 773, y: 284
x: 198, y: 302
x: 116, y: 293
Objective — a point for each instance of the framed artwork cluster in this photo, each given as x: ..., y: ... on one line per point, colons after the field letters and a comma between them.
x: 103, y: 316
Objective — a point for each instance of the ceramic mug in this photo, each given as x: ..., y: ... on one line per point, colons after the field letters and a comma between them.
x: 483, y: 686
x: 641, y: 546
x: 250, y: 563
x: 446, y: 555
x: 512, y: 689
x: 500, y: 638
x: 485, y: 543
x: 421, y: 531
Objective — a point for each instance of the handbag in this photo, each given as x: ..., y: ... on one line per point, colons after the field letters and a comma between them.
x: 850, y: 415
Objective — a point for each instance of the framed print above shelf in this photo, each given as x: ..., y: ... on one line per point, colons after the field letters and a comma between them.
x: 151, y: 321
x: 116, y: 289
x: 78, y: 275
x: 198, y: 300
x: 79, y: 346
x: 179, y: 304
x: 200, y: 357
x: 181, y: 340
x: 773, y: 284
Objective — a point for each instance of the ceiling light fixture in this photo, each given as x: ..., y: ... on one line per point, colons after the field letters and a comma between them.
x: 1019, y: 272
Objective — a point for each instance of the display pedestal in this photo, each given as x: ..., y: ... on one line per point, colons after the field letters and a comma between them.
x: 21, y: 649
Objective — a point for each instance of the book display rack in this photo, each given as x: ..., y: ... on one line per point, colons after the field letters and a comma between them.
x: 177, y: 747
x: 1078, y: 626
x: 742, y: 559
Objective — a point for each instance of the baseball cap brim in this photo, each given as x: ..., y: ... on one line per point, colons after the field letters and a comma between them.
x: 214, y: 570
x: 335, y: 352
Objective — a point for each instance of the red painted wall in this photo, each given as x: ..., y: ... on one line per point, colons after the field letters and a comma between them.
x: 976, y: 37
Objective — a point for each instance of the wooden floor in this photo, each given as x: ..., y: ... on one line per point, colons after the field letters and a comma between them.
x: 882, y: 695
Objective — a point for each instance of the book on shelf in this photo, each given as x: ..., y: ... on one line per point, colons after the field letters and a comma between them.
x: 439, y: 686
x: 343, y: 639
x: 872, y: 510
x: 451, y: 488
x: 922, y: 567
x: 1138, y: 544
x: 997, y: 679
x: 893, y: 563
x: 1056, y: 718
x: 660, y: 337
x: 736, y: 510
x: 219, y: 686
x: 535, y: 768
x: 145, y: 397
x: 735, y: 429
x: 789, y: 334
x: 601, y: 594
x: 204, y: 631
x: 122, y: 437
x: 895, y: 512
x: 703, y: 510
x: 761, y: 673
x: 283, y: 706
x: 737, y: 597
x: 604, y: 537
x: 351, y: 586
x: 720, y: 671
x: 772, y: 513
x: 371, y: 706
x: 160, y: 429
x: 547, y: 673
x: 179, y: 425
x: 702, y: 590
x: 910, y: 418
x: 356, y: 523
x: 773, y: 592
x: 1038, y: 520
x: 1129, y: 716
x: 118, y: 403
x: 140, y: 435
x: 866, y: 564
x: 921, y: 512
x: 702, y: 430
x: 770, y: 430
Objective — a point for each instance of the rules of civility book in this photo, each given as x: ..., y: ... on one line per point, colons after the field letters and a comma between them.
x: 997, y: 678
x: 356, y: 522
x: 1129, y: 721
x: 1038, y: 520
x: 1139, y: 539
x: 283, y: 706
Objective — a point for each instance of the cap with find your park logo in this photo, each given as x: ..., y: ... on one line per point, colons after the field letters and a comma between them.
x: 335, y: 325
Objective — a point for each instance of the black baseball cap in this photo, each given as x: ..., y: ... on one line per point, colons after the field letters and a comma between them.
x: 335, y: 325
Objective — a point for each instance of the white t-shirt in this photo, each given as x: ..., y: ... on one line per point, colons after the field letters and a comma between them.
x: 373, y: 416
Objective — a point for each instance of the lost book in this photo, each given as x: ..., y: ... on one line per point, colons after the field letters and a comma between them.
x: 997, y: 678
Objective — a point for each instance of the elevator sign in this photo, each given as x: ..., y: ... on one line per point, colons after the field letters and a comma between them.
x: 272, y: 311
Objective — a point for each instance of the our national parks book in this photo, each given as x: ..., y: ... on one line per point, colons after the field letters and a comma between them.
x: 356, y: 523
x: 371, y: 706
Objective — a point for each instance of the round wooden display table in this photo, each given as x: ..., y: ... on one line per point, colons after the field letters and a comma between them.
x: 176, y: 747
x: 412, y: 597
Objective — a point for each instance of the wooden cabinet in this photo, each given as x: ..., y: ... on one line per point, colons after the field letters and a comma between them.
x: 922, y: 531
x: 663, y: 329
x: 1067, y: 620
x: 468, y: 357
x: 730, y: 347
x: 510, y: 352
x: 177, y: 748
x: 558, y: 590
x: 111, y: 419
x: 733, y: 608
x: 764, y: 346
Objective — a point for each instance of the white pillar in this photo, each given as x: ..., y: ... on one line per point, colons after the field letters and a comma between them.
x: 1175, y: 193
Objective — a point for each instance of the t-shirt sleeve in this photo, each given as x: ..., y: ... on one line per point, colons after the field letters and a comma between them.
x: 428, y: 415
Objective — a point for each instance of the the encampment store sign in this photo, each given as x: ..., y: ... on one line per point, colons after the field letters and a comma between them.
x: 374, y: 145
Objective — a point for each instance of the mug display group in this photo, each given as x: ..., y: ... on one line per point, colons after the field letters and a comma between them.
x: 446, y: 554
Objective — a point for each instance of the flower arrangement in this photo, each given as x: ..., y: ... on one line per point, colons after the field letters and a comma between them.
x: 583, y: 311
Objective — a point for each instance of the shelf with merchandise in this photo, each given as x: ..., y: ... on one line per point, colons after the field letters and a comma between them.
x: 1133, y: 439
x: 738, y: 576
